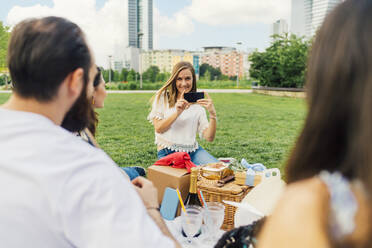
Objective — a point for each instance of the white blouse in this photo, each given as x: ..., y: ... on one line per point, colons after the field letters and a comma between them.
x: 181, y: 136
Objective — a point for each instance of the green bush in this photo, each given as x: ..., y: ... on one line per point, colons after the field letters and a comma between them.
x: 132, y: 86
x: 112, y: 86
x: 152, y: 86
x: 228, y: 84
x: 282, y: 64
x: 2, y: 80
x: 123, y: 86
x: 201, y: 84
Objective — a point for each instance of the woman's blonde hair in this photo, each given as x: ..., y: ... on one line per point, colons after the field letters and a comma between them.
x: 169, y: 89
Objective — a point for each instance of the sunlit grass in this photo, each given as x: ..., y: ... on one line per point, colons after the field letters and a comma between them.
x: 256, y: 127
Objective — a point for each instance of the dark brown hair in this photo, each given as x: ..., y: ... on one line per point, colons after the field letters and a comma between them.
x: 337, y: 134
x: 93, y: 119
x: 42, y: 52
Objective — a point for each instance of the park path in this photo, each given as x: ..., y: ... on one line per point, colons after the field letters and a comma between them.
x: 153, y: 91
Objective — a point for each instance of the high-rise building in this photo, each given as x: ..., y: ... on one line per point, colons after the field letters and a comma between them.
x: 140, y: 32
x: 280, y: 27
x: 140, y: 24
x: 308, y: 15
x: 298, y: 17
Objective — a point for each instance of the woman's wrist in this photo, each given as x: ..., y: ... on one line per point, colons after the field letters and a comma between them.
x: 153, y: 208
x: 213, y: 117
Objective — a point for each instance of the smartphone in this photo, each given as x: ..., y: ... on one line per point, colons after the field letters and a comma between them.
x: 169, y: 204
x: 193, y: 96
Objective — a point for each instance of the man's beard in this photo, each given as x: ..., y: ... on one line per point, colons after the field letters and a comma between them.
x: 77, y: 118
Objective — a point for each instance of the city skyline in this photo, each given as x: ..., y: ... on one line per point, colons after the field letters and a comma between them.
x: 183, y: 24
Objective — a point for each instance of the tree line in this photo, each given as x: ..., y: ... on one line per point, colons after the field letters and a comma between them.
x: 153, y: 74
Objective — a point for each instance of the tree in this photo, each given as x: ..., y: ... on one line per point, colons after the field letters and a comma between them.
x: 214, y: 73
x: 202, y: 69
x: 207, y: 75
x: 161, y: 77
x: 105, y: 74
x: 224, y: 77
x: 116, y: 76
x: 282, y: 64
x: 131, y: 75
x: 124, y: 74
x: 151, y: 73
x: 4, y: 38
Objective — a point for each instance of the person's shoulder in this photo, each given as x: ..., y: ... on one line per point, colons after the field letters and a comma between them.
x: 303, y: 211
x: 304, y: 201
x: 72, y: 149
x: 309, y: 189
x: 305, y: 194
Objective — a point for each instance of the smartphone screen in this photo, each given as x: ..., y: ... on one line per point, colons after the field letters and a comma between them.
x: 193, y: 96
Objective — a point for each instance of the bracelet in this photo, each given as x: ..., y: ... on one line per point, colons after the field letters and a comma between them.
x: 156, y: 208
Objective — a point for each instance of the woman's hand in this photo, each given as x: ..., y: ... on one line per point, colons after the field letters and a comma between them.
x: 181, y: 104
x: 208, y: 104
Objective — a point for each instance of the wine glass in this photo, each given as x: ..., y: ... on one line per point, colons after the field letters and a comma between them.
x: 191, y: 221
x: 213, y: 215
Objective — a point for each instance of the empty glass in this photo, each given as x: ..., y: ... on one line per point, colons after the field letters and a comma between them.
x: 191, y: 221
x: 213, y: 219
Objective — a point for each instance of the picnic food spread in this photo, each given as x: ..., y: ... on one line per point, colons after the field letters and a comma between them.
x: 215, y: 171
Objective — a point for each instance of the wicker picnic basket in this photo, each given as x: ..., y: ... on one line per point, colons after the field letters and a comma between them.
x: 230, y: 192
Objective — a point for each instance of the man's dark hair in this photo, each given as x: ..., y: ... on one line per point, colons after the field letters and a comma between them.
x: 42, y: 52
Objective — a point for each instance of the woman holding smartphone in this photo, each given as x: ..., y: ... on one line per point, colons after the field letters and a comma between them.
x: 177, y: 121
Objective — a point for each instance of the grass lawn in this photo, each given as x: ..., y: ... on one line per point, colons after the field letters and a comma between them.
x: 256, y: 127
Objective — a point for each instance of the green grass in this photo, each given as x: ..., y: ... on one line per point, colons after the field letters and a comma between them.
x: 256, y: 127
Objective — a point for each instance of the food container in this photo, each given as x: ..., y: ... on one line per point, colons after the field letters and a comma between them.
x: 215, y: 171
x: 227, y: 161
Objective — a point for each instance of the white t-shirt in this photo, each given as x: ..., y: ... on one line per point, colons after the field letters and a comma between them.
x: 59, y: 191
x: 181, y: 136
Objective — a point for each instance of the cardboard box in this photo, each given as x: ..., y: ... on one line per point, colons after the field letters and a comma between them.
x: 166, y: 176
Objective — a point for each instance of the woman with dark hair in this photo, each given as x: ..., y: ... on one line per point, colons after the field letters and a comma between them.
x: 176, y: 121
x: 89, y: 133
x: 98, y: 98
x: 328, y: 201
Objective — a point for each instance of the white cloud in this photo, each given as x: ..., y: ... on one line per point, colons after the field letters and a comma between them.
x: 233, y: 12
x: 105, y: 28
x: 177, y: 25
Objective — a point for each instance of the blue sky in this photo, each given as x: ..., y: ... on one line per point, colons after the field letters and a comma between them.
x: 178, y: 24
